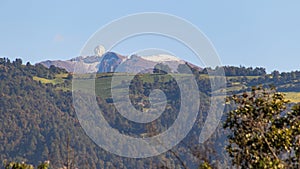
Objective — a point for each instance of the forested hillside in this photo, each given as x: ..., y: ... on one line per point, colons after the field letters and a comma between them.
x: 38, y: 121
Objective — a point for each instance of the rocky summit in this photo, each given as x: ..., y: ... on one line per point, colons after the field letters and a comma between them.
x: 114, y: 62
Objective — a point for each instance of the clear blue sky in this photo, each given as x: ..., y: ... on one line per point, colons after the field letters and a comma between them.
x: 248, y: 33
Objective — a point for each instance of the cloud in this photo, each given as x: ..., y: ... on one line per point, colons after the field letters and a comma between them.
x: 58, y: 38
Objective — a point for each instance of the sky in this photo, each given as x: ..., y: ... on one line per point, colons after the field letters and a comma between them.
x: 248, y: 33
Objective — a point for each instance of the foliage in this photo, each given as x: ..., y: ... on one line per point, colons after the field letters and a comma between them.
x: 16, y: 165
x: 263, y: 133
x: 243, y: 71
x: 205, y: 165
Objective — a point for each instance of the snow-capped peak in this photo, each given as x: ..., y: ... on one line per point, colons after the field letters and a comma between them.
x: 161, y: 58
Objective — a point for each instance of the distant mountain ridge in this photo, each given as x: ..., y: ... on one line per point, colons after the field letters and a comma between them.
x: 111, y: 62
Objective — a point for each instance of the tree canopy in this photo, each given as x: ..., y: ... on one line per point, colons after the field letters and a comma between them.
x: 264, y: 133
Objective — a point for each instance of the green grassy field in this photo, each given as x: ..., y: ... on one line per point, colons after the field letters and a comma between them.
x: 103, y: 85
x: 43, y: 80
x: 248, y: 77
x: 293, y: 96
x: 53, y: 81
x: 59, y: 79
x: 232, y: 77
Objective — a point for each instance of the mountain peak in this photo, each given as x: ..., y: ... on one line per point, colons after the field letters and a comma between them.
x: 161, y: 58
x: 112, y: 61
